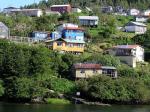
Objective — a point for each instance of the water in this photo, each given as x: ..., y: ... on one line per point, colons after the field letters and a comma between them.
x: 4, y: 107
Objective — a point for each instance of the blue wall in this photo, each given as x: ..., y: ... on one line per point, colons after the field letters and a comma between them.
x: 39, y: 35
x: 72, y: 34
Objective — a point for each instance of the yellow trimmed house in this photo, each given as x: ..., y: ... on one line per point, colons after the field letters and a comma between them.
x: 87, y: 70
x: 66, y: 45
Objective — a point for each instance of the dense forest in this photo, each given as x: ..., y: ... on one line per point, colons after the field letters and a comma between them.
x: 142, y: 4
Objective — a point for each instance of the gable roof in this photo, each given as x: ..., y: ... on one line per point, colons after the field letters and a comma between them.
x: 11, y: 8
x: 69, y: 40
x: 87, y: 66
x: 126, y: 46
x: 136, y: 23
x: 89, y: 17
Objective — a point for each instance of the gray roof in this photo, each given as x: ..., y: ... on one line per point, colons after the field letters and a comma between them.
x: 136, y: 23
x: 108, y: 67
x: 89, y: 17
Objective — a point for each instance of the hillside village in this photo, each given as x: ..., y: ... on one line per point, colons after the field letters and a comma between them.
x: 71, y: 37
x: 109, y: 42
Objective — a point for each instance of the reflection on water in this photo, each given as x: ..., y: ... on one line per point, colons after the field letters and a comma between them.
x: 5, y: 107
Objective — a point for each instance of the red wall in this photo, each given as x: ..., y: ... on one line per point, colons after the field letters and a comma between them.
x: 62, y: 9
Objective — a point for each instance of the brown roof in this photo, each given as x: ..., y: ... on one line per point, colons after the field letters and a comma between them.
x: 87, y: 66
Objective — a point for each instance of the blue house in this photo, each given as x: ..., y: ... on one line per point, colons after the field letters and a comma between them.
x: 73, y: 33
x: 55, y: 35
x: 39, y: 36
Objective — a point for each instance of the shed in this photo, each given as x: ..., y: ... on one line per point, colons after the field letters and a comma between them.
x: 89, y: 20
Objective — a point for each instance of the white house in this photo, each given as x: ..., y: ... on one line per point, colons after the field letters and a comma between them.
x: 89, y: 20
x: 129, y: 54
x: 141, y: 19
x: 76, y: 10
x: 49, y: 12
x: 136, y: 27
x: 29, y: 12
x: 146, y: 13
x: 133, y: 12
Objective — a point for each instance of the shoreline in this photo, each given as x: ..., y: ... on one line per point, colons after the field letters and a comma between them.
x: 74, y: 100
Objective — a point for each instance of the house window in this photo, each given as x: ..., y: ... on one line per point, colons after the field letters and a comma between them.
x: 94, y: 71
x: 59, y: 43
x: 82, y: 71
x: 104, y: 72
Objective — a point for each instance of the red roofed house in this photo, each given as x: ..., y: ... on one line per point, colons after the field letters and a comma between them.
x: 130, y: 54
x: 61, y: 8
x: 86, y: 70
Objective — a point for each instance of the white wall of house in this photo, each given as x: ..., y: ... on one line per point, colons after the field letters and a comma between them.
x: 87, y: 73
x: 133, y: 12
x: 130, y: 28
x: 140, y: 29
x: 129, y: 60
x: 137, y: 56
x: 136, y: 29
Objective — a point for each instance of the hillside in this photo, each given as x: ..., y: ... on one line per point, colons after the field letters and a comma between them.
x: 142, y: 4
x: 34, y: 72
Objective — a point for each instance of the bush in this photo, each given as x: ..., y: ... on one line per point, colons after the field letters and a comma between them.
x: 104, y: 88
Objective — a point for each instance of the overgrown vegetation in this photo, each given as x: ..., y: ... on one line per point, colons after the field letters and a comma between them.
x: 33, y: 72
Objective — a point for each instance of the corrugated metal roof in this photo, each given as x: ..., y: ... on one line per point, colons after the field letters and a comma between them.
x: 87, y: 66
x: 126, y: 46
x: 89, y: 17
